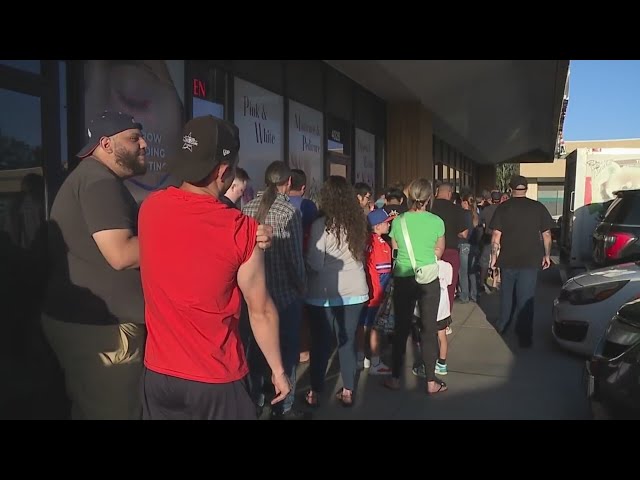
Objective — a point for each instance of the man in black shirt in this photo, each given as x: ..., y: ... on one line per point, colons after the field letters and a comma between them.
x: 455, y: 228
x: 521, y: 244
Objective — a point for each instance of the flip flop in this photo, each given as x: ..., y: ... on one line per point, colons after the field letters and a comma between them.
x: 442, y: 387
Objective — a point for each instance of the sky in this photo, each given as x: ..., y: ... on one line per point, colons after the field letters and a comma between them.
x: 604, y: 100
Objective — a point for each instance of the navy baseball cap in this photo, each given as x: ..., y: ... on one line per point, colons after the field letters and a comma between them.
x: 206, y: 142
x: 378, y: 216
x: 106, y: 124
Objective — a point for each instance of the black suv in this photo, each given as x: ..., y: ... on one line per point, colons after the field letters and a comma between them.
x: 613, y: 373
x: 617, y: 237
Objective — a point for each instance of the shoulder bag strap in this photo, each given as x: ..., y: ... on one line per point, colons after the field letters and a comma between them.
x: 407, y: 241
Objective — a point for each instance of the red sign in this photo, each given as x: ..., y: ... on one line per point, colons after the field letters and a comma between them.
x: 199, y: 89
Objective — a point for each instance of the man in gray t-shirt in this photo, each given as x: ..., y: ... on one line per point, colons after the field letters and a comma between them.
x: 93, y: 314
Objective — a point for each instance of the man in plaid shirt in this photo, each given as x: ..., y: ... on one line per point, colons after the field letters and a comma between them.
x: 286, y: 279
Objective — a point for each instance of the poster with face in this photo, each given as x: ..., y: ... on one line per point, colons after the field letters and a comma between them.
x: 152, y: 91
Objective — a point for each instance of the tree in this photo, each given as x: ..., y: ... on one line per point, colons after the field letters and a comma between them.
x: 504, y: 172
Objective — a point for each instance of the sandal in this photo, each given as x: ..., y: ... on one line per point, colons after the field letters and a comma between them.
x: 442, y: 387
x: 345, y: 397
x: 391, y: 383
x: 311, y: 399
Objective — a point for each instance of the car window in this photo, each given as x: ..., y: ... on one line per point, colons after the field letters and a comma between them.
x: 624, y: 210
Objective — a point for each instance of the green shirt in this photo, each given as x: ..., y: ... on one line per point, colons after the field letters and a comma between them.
x: 424, y: 230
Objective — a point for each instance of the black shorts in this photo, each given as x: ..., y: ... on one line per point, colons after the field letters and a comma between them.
x: 171, y: 398
x: 443, y: 324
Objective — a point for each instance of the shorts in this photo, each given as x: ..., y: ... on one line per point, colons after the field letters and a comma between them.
x: 368, y: 316
x: 444, y: 323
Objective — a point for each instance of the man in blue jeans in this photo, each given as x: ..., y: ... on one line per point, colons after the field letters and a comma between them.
x: 520, y: 245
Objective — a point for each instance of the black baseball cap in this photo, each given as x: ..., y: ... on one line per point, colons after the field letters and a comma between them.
x: 206, y: 142
x: 395, y: 210
x: 518, y: 181
x: 106, y: 124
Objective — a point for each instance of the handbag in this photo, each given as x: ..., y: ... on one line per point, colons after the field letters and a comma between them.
x: 424, y: 274
x: 385, y: 318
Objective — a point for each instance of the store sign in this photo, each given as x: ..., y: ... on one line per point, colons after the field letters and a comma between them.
x: 305, y: 145
x: 259, y: 117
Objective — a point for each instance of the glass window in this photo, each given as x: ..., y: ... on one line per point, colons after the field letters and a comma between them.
x: 624, y: 210
x: 209, y: 90
x: 153, y: 92
x: 32, y: 66
x: 259, y: 115
x: 64, y: 147
x: 22, y: 257
x: 20, y: 163
x: 552, y: 197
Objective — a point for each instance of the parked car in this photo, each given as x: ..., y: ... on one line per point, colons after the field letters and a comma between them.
x: 587, y: 302
x: 616, y: 239
x: 613, y: 373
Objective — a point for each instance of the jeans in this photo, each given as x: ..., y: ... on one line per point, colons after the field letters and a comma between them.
x: 343, y: 321
x: 468, y: 276
x: 523, y: 282
x: 290, y: 323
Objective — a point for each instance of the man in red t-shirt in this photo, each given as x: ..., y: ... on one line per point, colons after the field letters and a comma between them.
x: 197, y: 259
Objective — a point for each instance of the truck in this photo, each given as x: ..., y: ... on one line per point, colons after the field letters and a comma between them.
x: 592, y: 177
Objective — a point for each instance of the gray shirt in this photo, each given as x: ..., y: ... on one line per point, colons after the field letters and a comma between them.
x: 82, y: 286
x: 335, y: 277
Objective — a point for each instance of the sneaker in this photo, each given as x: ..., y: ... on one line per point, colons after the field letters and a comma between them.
x: 366, y: 363
x: 419, y: 371
x: 380, y: 369
x: 441, y: 368
x: 448, y: 331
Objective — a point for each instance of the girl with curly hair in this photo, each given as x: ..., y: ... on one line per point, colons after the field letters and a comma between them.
x: 337, y: 288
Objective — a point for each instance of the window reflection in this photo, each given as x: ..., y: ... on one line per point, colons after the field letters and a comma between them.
x: 32, y: 66
x: 22, y: 256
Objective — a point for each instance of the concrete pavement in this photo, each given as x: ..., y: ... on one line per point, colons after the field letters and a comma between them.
x: 490, y: 377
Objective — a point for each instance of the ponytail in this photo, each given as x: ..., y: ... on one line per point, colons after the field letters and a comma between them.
x: 276, y: 175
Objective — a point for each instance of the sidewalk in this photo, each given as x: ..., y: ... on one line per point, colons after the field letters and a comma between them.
x: 489, y: 377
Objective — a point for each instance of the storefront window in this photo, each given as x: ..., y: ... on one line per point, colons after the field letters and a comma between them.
x: 258, y: 113
x: 552, y: 197
x: 32, y: 66
x: 365, y: 158
x: 208, y: 90
x: 306, y: 146
x: 152, y: 91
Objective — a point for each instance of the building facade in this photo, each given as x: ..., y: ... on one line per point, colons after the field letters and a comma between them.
x: 375, y: 121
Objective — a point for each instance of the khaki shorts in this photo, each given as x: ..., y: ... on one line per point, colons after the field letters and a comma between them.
x: 102, y: 366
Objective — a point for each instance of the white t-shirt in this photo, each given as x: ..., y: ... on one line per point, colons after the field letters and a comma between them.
x: 445, y: 274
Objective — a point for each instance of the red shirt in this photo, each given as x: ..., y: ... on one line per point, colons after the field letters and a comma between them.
x: 378, y: 267
x: 191, y: 247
